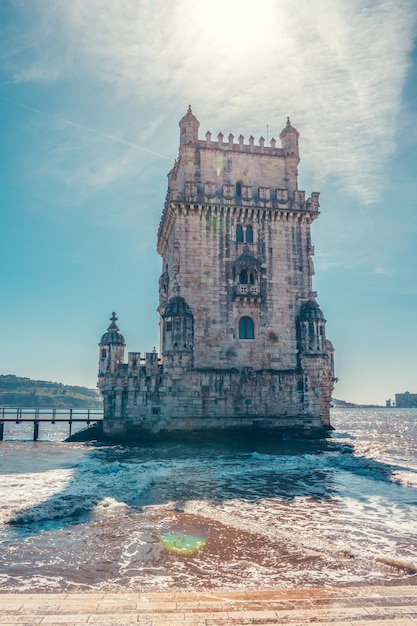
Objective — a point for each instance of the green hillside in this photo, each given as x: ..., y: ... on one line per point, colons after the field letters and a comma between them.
x: 41, y: 394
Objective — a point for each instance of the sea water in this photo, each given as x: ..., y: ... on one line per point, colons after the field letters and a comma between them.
x: 233, y: 513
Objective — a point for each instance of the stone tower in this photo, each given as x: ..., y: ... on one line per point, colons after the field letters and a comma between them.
x: 242, y: 337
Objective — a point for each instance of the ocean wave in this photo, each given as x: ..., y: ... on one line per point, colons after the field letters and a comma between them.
x: 61, y: 507
x: 69, y: 496
x: 407, y: 478
x: 110, y: 506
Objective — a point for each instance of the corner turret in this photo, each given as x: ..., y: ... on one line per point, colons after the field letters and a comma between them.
x: 289, y: 139
x: 189, y: 126
x: 312, y: 327
x: 178, y: 327
x: 112, y: 348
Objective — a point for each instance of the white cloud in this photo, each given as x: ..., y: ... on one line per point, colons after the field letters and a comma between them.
x: 336, y: 67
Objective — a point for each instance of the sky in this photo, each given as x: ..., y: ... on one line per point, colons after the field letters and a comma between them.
x: 90, y: 98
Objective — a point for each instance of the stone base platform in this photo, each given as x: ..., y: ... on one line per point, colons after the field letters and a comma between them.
x: 361, y: 606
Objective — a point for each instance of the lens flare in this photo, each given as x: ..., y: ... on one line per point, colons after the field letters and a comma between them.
x: 182, y: 543
x: 219, y: 164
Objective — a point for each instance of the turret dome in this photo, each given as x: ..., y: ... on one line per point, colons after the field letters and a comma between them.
x: 113, y: 335
x: 177, y: 306
x: 288, y: 129
x: 189, y: 117
x: 311, y: 311
x: 289, y: 139
x: 189, y: 126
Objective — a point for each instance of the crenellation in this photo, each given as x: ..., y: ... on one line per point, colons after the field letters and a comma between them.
x: 264, y: 193
x: 242, y: 336
x: 209, y: 192
x: 250, y: 147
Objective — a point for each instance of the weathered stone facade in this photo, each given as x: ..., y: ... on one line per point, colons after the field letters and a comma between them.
x: 243, y: 341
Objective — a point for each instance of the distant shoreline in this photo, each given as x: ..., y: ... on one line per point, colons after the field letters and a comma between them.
x: 19, y: 392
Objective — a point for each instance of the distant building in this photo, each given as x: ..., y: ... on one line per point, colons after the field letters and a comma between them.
x: 242, y: 338
x: 406, y: 400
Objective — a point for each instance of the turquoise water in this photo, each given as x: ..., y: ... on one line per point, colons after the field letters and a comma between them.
x: 259, y: 513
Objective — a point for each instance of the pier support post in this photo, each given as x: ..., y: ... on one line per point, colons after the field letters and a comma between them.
x: 35, y: 430
x: 1, y: 430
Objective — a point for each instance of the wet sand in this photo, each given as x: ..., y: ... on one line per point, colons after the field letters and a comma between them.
x: 360, y: 606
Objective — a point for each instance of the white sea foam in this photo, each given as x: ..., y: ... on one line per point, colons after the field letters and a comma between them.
x: 404, y: 477
x: 21, y: 491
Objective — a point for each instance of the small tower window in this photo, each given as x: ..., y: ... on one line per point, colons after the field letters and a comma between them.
x: 103, y: 353
x: 246, y: 278
x: 243, y: 277
x: 246, y: 328
x: 238, y: 189
x: 239, y: 233
x: 249, y: 234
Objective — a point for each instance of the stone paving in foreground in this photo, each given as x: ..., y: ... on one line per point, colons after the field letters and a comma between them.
x: 362, y: 606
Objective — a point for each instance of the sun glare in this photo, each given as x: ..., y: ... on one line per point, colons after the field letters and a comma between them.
x: 238, y: 27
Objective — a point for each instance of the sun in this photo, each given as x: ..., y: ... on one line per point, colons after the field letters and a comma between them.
x: 240, y: 28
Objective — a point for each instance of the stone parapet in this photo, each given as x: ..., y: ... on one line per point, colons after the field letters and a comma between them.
x: 240, y: 146
x: 212, y: 399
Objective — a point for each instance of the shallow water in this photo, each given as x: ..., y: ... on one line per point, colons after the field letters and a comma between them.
x: 225, y: 514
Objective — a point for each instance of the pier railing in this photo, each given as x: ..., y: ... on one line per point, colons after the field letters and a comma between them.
x: 48, y: 416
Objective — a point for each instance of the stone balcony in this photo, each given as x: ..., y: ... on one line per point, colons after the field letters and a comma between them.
x: 251, y: 291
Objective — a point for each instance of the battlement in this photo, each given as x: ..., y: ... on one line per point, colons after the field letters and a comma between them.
x: 245, y: 195
x: 189, y: 126
x: 240, y: 146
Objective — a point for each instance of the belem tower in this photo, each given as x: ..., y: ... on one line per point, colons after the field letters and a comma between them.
x: 242, y: 338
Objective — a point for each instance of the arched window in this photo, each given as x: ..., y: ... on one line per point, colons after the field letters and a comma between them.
x: 238, y: 189
x: 239, y: 233
x: 249, y: 234
x: 246, y: 278
x: 246, y: 328
x: 243, y: 277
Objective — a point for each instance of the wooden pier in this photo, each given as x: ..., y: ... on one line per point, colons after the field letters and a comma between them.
x: 48, y: 416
